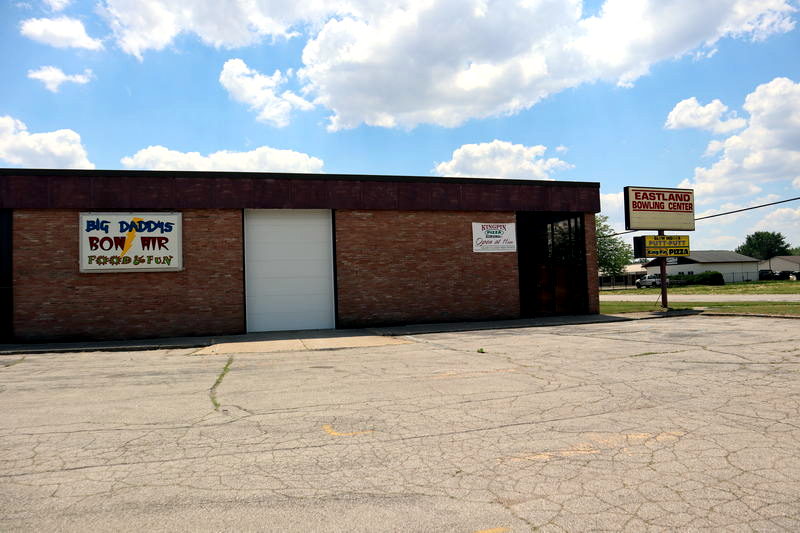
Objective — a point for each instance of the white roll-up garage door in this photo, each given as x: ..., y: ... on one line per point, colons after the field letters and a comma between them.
x: 288, y: 269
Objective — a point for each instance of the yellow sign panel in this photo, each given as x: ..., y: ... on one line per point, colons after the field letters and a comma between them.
x: 666, y: 245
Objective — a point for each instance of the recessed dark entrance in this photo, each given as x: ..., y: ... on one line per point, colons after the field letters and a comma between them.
x: 6, y: 294
x: 552, y: 264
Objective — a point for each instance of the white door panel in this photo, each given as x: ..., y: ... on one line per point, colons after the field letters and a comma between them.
x: 288, y: 269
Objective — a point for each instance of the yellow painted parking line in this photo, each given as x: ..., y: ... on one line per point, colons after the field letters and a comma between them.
x: 353, y: 342
x: 330, y: 431
x: 451, y: 375
x: 601, y: 441
x: 580, y: 449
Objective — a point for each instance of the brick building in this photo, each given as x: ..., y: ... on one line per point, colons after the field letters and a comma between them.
x: 228, y: 253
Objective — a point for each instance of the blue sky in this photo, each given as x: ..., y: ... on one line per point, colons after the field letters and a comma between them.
x: 664, y: 93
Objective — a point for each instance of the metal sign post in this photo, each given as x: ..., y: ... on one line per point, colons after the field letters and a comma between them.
x: 659, y: 208
x: 663, y: 267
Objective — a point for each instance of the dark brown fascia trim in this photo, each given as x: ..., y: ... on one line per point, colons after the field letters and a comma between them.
x: 8, y: 172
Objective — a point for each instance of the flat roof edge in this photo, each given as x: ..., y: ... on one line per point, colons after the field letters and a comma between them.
x: 44, y: 172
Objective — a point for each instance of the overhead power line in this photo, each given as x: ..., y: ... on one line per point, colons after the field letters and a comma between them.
x: 749, y: 208
x: 721, y: 214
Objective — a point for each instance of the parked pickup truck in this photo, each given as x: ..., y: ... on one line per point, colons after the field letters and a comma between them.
x: 650, y: 280
x: 654, y: 280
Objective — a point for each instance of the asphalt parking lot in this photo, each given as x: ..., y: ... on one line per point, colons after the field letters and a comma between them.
x: 685, y: 423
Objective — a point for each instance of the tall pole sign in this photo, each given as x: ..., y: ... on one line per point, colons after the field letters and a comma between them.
x: 659, y: 209
x: 656, y: 208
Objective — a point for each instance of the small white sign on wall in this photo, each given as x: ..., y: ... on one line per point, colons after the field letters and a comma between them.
x: 494, y: 237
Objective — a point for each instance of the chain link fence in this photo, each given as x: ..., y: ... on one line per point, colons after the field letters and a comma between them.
x: 628, y: 281
x: 736, y: 277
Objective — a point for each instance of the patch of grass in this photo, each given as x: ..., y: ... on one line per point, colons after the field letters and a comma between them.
x: 640, y: 307
x: 481, y: 350
x: 746, y: 287
x: 212, y: 392
x: 12, y: 363
x: 759, y: 308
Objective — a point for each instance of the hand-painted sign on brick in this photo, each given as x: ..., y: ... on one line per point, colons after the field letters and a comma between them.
x: 130, y: 242
x: 494, y: 237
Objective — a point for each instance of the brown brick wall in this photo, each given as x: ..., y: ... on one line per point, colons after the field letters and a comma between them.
x: 591, y: 264
x: 397, y: 267
x: 53, y: 300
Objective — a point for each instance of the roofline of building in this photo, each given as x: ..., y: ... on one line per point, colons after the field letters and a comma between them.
x: 690, y: 261
x: 163, y: 189
x: 286, y: 175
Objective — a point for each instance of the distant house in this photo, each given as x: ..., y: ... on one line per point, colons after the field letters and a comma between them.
x: 781, y: 263
x: 627, y: 279
x: 733, y: 267
x: 636, y: 270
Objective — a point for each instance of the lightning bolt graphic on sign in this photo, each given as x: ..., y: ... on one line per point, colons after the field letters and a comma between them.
x: 130, y: 236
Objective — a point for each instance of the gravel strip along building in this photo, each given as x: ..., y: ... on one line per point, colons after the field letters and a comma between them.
x: 94, y: 254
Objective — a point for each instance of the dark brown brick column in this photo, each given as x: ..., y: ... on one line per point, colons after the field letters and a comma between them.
x: 591, y: 264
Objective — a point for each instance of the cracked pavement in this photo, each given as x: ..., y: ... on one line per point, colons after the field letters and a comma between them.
x: 689, y: 423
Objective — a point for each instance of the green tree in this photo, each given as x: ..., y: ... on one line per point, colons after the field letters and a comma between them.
x: 763, y: 245
x: 613, y: 254
x: 794, y: 251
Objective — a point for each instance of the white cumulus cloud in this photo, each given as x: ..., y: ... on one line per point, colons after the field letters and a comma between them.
x: 262, y: 159
x: 613, y: 204
x: 141, y: 25
x: 54, y: 149
x: 407, y: 62
x: 768, y: 150
x: 690, y: 114
x: 501, y: 159
x: 61, y: 32
x: 53, y: 77
x: 261, y: 92
x: 447, y: 61
x: 715, y: 242
x: 628, y: 36
x: 785, y: 220
x: 57, y: 5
